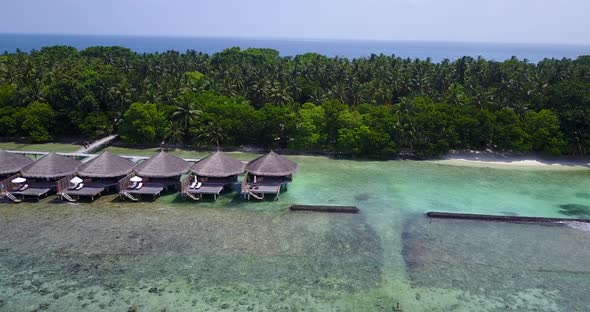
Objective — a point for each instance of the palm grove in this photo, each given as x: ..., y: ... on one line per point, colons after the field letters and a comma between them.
x: 379, y: 106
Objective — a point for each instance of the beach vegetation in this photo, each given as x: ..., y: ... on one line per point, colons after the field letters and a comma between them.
x: 377, y: 106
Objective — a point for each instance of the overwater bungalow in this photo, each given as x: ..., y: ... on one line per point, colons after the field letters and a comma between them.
x: 41, y: 175
x: 210, y: 175
x: 268, y: 174
x: 11, y: 164
x: 10, y: 167
x: 96, y: 176
x: 159, y: 173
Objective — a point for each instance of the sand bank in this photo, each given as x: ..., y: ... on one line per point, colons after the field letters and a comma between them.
x: 501, y: 160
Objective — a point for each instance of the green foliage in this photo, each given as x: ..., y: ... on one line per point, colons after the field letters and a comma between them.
x: 509, y: 133
x: 364, y: 141
x: 276, y: 126
x: 543, y: 130
x: 7, y: 93
x: 209, y: 134
x: 434, y: 130
x: 96, y: 125
x: 143, y: 123
x: 367, y: 107
x: 39, y: 119
x: 310, y: 130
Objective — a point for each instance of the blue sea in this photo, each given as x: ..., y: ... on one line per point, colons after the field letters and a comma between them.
x: 437, y: 51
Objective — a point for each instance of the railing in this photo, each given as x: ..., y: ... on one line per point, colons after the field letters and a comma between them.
x: 63, y: 184
x: 6, y: 185
x: 77, y: 155
x: 123, y: 184
x: 245, y: 184
x: 98, y: 144
x: 184, y: 183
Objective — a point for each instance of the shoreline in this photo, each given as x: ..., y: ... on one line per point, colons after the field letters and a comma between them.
x: 469, y: 158
x: 491, y: 159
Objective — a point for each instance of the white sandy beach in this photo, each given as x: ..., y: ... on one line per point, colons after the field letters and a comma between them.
x: 498, y: 160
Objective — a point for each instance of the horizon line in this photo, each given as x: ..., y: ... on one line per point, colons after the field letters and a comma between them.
x: 318, y: 39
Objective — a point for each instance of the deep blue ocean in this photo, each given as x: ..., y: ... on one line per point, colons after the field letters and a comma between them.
x: 437, y: 51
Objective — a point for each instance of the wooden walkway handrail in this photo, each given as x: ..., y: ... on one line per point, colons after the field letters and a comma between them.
x: 63, y: 184
x: 185, y: 182
x: 98, y: 144
x: 124, y: 183
x: 6, y: 185
x: 245, y: 186
x: 89, y: 156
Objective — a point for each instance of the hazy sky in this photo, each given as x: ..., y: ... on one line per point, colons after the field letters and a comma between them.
x: 547, y: 21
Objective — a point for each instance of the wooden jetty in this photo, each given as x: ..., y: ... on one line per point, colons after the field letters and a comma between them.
x: 98, y: 144
x: 324, y: 208
x: 499, y: 218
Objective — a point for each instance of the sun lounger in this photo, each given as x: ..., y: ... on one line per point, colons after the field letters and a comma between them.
x: 133, y: 185
x: 139, y: 185
x: 24, y: 187
x: 80, y: 186
x: 198, y: 186
x: 194, y: 184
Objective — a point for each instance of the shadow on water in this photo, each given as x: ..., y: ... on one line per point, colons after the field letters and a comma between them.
x: 575, y: 210
x: 582, y: 195
x: 362, y: 197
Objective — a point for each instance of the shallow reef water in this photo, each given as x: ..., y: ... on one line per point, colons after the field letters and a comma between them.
x: 233, y: 255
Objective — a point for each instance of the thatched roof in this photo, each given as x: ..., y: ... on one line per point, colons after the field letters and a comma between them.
x: 12, y: 163
x: 106, y: 165
x: 218, y: 165
x: 162, y: 165
x: 50, y: 166
x: 271, y: 164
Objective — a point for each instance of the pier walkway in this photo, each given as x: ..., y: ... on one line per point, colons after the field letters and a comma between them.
x: 97, y: 144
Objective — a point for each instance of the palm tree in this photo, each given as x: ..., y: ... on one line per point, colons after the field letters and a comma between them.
x: 210, y: 134
x: 173, y: 134
x: 184, y: 115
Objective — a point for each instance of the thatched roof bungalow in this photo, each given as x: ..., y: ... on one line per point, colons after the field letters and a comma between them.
x: 51, y: 166
x: 218, y: 165
x: 106, y: 166
x: 162, y: 166
x: 267, y: 174
x: 100, y: 174
x: 211, y: 175
x: 11, y: 163
x: 271, y: 165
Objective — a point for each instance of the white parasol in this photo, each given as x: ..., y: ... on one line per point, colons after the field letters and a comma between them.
x: 136, y: 179
x: 19, y: 180
x: 76, y: 180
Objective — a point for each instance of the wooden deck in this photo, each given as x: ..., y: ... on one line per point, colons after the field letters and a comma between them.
x: 206, y: 189
x: 32, y: 191
x: 266, y: 188
x: 152, y: 189
x: 86, y: 191
x: 260, y: 189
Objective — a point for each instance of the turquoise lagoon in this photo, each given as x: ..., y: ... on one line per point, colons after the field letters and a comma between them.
x: 232, y: 255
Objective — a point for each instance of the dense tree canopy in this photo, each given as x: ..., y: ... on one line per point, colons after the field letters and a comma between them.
x: 377, y: 106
